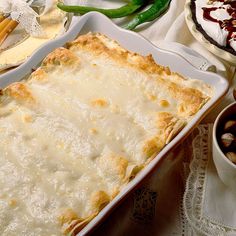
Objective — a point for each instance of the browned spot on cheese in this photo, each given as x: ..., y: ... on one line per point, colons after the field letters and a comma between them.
x: 181, y: 108
x: 99, y: 103
x: 164, y: 103
x: 28, y: 118
x: 93, y: 131
x: 12, y: 202
x: 151, y: 97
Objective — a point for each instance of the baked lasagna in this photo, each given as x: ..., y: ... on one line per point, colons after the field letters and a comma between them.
x: 82, y: 126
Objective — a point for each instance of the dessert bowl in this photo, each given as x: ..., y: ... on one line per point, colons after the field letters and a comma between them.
x: 197, y: 29
x: 226, y: 168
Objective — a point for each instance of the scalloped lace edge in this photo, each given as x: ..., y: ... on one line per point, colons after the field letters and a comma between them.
x: 195, y: 185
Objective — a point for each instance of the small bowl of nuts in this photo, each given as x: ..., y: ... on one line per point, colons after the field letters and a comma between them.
x: 224, y: 145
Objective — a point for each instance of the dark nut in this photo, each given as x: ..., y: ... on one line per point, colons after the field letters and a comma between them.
x: 231, y: 156
x: 227, y: 139
x: 230, y: 125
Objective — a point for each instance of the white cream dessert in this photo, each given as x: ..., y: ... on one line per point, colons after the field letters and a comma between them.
x: 216, y: 19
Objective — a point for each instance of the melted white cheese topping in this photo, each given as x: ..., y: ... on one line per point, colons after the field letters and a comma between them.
x: 58, y: 151
x: 213, y: 29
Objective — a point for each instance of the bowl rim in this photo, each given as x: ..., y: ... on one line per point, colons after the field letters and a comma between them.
x: 215, y: 141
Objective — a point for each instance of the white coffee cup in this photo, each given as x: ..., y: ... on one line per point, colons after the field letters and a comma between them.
x: 225, y: 168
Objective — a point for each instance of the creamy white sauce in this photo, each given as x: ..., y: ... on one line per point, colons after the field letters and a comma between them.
x: 53, y: 152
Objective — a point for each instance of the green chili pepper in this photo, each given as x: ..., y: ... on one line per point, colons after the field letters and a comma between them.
x: 155, y: 10
x: 125, y: 10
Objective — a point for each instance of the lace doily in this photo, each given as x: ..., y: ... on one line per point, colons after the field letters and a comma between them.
x: 21, y: 11
x: 195, y: 187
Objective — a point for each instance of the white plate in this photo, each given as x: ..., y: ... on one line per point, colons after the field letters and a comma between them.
x: 200, y: 37
x: 19, y: 45
x: 96, y: 22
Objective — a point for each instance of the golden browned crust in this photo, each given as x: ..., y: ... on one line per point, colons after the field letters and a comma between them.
x: 40, y: 74
x: 113, y: 165
x: 19, y: 92
x: 135, y: 170
x: 96, y: 43
x: 164, y: 103
x: 169, y: 124
x: 122, y: 166
x: 72, y: 224
x: 153, y: 146
x: 60, y: 57
x: 67, y: 216
x: 99, y: 103
x: 192, y: 99
x: 77, y: 225
x: 99, y: 200
x: 115, y: 192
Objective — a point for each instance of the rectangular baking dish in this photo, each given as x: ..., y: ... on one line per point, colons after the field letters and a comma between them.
x: 96, y: 22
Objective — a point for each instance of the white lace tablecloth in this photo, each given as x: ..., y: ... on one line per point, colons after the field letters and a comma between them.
x: 156, y: 207
x: 208, y: 204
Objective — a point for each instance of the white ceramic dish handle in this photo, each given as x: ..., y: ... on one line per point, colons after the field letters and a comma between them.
x: 193, y: 57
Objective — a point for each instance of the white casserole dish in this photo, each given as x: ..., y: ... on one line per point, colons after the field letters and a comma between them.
x: 96, y: 22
